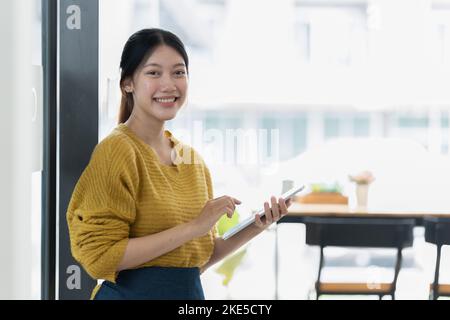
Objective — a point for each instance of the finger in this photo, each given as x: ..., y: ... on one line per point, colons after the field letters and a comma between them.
x: 268, y: 213
x: 236, y: 201
x: 229, y: 212
x: 275, y: 209
x: 288, y: 202
x: 230, y: 203
x: 225, y: 204
x: 283, y: 207
x: 258, y: 221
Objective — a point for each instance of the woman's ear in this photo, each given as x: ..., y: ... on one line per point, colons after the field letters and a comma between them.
x: 127, y: 85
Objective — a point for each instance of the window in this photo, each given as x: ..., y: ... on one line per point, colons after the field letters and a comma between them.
x: 441, y: 34
x: 361, y: 126
x: 304, y: 95
x: 332, y: 127
x: 331, y: 34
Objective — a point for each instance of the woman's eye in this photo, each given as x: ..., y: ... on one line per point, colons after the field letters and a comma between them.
x: 152, y: 73
x: 180, y: 73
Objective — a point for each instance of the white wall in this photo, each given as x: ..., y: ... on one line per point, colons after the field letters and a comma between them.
x: 15, y: 146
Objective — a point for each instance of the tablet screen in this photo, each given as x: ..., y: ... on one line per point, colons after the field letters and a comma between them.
x: 245, y: 223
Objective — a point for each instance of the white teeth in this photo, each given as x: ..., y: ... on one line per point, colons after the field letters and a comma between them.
x: 165, y: 100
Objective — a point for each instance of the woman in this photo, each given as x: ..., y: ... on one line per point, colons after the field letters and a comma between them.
x: 140, y: 218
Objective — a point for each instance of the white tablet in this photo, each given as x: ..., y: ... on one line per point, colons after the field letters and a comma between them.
x: 245, y: 223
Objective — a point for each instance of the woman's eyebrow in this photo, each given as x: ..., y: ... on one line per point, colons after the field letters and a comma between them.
x: 152, y: 65
x: 159, y: 66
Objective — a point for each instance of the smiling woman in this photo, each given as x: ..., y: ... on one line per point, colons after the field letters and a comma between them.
x: 139, y: 218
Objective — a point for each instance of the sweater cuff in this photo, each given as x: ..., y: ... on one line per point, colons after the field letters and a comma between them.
x: 115, y: 257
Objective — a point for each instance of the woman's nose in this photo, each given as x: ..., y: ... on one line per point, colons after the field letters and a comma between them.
x: 167, y: 84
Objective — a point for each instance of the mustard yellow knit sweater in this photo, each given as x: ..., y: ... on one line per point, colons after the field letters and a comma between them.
x: 126, y: 192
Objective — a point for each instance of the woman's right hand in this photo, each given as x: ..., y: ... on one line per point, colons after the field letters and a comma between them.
x: 212, y: 211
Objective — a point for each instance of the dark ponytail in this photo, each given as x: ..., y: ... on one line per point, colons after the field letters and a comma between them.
x: 138, y: 48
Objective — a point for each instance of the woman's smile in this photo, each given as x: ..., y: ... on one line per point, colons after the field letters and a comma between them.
x: 166, y: 101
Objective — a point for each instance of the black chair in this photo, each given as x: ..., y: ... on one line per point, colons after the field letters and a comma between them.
x: 437, y: 231
x: 359, y: 232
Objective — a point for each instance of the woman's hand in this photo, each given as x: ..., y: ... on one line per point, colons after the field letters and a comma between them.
x: 212, y: 211
x: 272, y: 213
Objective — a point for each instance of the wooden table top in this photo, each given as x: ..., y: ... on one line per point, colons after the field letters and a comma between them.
x: 339, y: 210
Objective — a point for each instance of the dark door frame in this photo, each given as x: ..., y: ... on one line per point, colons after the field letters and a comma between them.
x: 48, y: 187
x: 70, y: 82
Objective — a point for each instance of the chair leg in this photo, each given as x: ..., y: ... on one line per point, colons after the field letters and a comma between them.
x: 321, y: 262
x: 398, y: 265
x: 435, y: 290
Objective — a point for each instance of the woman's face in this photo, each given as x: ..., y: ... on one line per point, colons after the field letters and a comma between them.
x: 160, y: 85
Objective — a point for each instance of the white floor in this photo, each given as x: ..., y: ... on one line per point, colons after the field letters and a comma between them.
x: 298, y: 263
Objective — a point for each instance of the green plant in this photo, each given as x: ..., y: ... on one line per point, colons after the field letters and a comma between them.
x: 230, y: 263
x: 324, y: 187
x: 225, y: 223
x: 229, y: 266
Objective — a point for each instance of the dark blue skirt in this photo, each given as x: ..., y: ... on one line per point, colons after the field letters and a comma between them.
x: 154, y: 283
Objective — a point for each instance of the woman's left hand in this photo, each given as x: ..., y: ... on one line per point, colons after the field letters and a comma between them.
x: 273, y: 212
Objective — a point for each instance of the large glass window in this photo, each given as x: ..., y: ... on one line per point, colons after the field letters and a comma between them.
x: 331, y: 34
x: 344, y: 84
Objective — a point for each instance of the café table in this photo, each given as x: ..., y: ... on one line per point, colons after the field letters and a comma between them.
x: 298, y: 212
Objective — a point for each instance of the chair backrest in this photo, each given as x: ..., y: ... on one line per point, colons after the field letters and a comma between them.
x: 359, y: 232
x: 437, y: 230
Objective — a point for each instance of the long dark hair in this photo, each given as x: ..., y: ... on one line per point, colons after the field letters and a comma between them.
x: 137, y: 49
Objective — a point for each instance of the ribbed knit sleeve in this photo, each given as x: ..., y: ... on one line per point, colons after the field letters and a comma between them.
x: 209, y: 183
x: 215, y: 231
x: 101, y: 210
